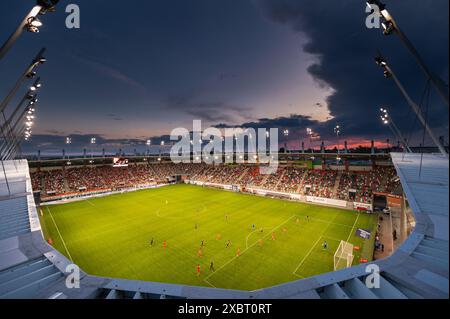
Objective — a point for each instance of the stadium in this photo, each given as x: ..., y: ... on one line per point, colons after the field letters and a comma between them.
x: 330, y: 222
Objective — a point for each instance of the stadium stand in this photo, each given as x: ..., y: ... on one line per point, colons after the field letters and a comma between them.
x: 30, y: 268
x: 288, y: 179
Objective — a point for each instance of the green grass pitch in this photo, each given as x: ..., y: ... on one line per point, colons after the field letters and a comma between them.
x: 110, y: 236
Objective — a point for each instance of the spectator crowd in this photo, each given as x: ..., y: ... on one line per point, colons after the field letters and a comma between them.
x: 346, y: 185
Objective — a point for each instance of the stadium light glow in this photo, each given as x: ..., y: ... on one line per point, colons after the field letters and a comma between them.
x: 33, y: 24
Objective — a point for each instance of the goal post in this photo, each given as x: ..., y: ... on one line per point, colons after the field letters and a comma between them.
x: 343, y: 257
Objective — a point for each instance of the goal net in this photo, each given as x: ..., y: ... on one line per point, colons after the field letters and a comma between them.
x: 343, y: 257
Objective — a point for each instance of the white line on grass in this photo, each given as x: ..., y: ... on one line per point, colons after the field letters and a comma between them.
x: 205, y: 280
x: 310, y: 251
x: 307, y: 255
x: 232, y: 259
x: 327, y: 222
x: 248, y: 236
x: 87, y: 200
x: 59, y: 233
x: 354, y: 224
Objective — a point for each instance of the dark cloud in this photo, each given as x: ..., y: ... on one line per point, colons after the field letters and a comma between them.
x: 194, y: 104
x: 346, y: 48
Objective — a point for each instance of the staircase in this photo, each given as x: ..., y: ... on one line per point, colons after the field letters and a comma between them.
x: 243, y: 174
x: 280, y: 179
x: 66, y: 183
x: 300, y: 185
x: 336, y: 185
x: 14, y: 219
x: 27, y: 279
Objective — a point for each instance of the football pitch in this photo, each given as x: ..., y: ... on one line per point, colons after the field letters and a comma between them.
x: 269, y: 241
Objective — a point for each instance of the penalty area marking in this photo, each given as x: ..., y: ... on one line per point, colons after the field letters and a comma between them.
x: 59, y: 233
x: 354, y: 224
x: 256, y: 230
x: 246, y: 249
x: 312, y: 248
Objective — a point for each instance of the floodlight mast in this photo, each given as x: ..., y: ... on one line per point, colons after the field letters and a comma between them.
x: 16, y: 34
x: 14, y: 148
x: 30, y: 23
x: 39, y: 59
x: 6, y: 127
x: 7, y: 146
x: 389, y: 73
x: 337, y: 131
x: 391, y: 26
x: 387, y: 120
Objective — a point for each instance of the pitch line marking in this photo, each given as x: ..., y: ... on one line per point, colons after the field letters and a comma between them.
x: 312, y: 248
x: 205, y: 280
x: 246, y: 249
x: 248, y: 236
x: 354, y: 224
x: 59, y: 233
x: 307, y: 255
x: 326, y: 222
x: 87, y: 200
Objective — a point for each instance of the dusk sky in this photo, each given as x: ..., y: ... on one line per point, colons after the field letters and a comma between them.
x: 137, y: 71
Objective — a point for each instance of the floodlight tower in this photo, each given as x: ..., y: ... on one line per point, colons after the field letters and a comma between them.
x: 148, y: 143
x: 31, y: 23
x: 387, y: 120
x: 389, y: 73
x: 160, y: 150
x: 68, y: 143
x: 286, y: 135
x: 310, y: 133
x: 390, y: 26
x: 337, y: 131
x: 93, y: 142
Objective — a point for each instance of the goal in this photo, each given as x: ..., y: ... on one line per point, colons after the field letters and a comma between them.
x: 343, y: 257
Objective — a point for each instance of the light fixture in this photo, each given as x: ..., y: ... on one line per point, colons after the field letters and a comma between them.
x: 33, y: 24
x: 379, y: 60
x: 31, y: 74
x: 388, y: 27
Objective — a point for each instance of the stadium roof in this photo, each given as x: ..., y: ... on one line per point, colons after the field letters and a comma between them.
x: 425, y: 182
